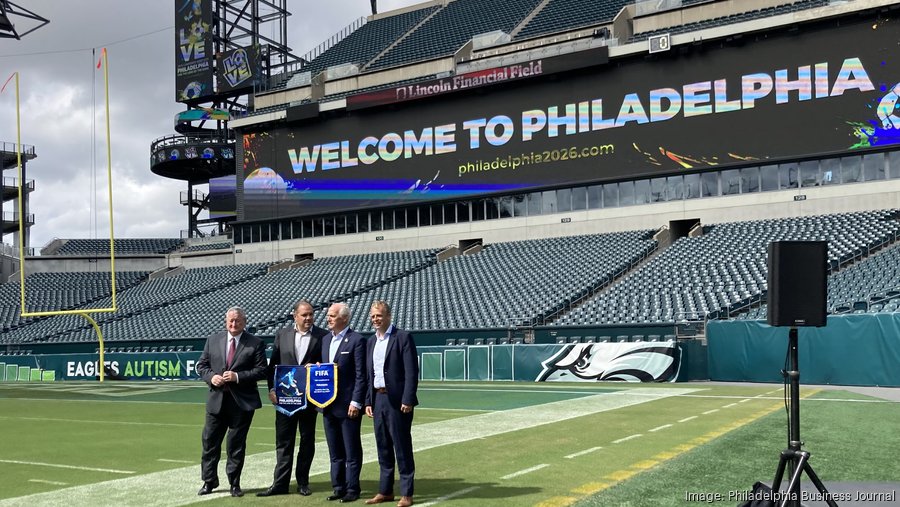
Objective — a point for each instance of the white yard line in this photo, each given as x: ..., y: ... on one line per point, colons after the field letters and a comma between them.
x: 71, y: 467
x: 582, y: 453
x: 182, y: 483
x: 52, y: 483
x: 523, y: 472
x: 625, y: 439
x: 448, y: 497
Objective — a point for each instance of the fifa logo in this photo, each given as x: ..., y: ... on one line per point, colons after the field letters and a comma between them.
x: 236, y: 68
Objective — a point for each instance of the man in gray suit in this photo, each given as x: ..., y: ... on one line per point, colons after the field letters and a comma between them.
x: 231, y: 363
x: 296, y: 345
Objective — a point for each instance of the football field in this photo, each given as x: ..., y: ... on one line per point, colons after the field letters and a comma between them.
x: 504, y: 444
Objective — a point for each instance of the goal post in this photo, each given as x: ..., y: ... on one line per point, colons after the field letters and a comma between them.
x: 104, y: 63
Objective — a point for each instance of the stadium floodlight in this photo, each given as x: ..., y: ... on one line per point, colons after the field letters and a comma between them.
x: 112, y: 252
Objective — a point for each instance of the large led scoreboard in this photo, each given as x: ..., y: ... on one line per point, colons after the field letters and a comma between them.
x: 828, y: 88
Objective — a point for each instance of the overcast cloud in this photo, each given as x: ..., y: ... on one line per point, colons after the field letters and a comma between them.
x: 63, y: 109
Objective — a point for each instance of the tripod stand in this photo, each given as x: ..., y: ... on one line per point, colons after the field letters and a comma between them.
x: 797, y: 459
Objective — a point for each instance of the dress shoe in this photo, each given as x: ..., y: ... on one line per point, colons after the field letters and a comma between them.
x: 207, y: 488
x: 236, y: 491
x: 304, y: 490
x: 272, y: 491
x: 405, y: 501
x: 335, y: 496
x: 350, y: 497
x: 380, y: 498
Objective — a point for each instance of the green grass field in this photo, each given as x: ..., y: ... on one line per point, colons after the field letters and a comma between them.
x: 504, y: 444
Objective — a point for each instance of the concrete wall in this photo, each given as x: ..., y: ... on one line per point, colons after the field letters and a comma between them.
x: 64, y: 263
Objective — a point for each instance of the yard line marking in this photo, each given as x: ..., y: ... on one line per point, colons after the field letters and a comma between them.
x: 625, y: 439
x: 686, y: 419
x: 582, y: 453
x: 524, y: 391
x: 730, y: 405
x: 88, y: 421
x: 91, y: 400
x: 645, y: 464
x: 52, y: 483
x: 453, y: 409
x: 449, y: 496
x: 557, y: 501
x: 72, y: 467
x: 664, y: 426
x: 127, y: 423
x: 745, y: 400
x: 711, y: 411
x: 181, y: 483
x: 591, y: 488
x: 164, y: 460
x: 636, y: 468
x: 526, y: 471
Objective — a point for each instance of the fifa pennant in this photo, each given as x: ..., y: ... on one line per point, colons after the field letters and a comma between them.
x: 290, y: 389
x: 321, y: 384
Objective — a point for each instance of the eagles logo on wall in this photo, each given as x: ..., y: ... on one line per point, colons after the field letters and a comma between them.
x: 627, y: 362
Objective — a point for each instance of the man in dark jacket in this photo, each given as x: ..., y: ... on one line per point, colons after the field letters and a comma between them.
x: 231, y: 363
x: 298, y: 345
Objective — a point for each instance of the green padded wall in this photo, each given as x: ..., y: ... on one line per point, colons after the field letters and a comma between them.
x: 455, y: 364
x: 479, y: 362
x: 502, y: 362
x: 849, y: 350
x: 432, y: 366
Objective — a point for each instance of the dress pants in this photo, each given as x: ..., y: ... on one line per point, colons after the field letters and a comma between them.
x: 393, y: 440
x: 236, y: 423
x: 345, y: 448
x: 285, y: 435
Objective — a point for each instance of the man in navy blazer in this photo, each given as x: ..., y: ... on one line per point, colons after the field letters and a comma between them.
x: 298, y: 345
x: 231, y: 363
x: 392, y: 372
x: 343, y: 417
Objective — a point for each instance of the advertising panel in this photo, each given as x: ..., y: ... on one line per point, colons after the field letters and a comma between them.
x: 236, y: 70
x: 823, y: 90
x: 193, y: 50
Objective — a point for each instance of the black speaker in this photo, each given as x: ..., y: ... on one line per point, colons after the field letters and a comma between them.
x: 797, y: 283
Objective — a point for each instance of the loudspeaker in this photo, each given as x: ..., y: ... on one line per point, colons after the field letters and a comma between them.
x: 797, y: 283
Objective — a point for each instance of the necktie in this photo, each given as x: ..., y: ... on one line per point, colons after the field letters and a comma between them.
x: 230, y: 357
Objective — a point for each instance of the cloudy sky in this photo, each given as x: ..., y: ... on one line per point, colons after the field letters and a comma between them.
x: 62, y: 106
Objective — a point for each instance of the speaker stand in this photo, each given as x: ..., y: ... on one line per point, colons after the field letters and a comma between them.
x: 794, y: 458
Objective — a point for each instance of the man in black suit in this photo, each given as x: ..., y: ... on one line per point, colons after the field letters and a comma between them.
x: 392, y: 372
x: 343, y: 417
x: 297, y: 345
x: 231, y: 363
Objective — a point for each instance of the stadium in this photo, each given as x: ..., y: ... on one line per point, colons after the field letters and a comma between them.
x: 587, y: 213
